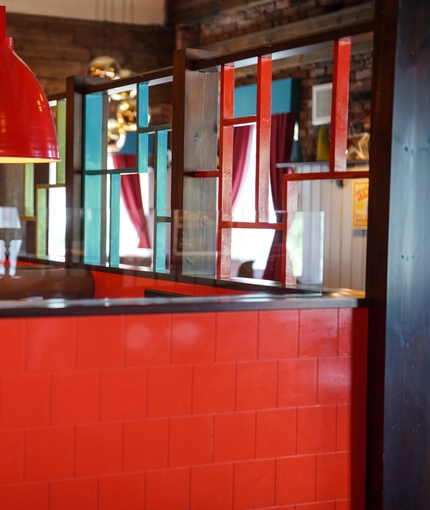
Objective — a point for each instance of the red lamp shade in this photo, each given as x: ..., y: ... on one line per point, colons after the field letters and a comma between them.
x: 27, y: 130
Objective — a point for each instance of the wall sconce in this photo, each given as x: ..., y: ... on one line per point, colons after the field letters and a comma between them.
x: 27, y: 129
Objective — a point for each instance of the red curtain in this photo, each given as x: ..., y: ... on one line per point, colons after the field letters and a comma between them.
x: 132, y: 197
x: 241, y: 142
x: 281, y: 144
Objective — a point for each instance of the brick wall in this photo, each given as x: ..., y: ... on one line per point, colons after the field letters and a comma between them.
x: 55, y: 48
x: 227, y: 410
x: 252, y: 19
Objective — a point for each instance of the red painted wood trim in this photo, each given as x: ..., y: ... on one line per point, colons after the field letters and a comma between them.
x: 264, y: 102
x: 339, y: 105
x: 225, y: 169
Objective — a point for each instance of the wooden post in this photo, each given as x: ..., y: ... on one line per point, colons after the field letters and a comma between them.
x: 398, y: 269
x: 195, y: 143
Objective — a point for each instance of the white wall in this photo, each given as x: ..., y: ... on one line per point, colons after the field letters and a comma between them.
x: 344, y: 247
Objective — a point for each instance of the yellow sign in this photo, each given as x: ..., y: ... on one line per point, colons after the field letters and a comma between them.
x: 360, y: 201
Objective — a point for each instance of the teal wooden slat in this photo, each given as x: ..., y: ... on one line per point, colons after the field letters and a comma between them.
x: 160, y: 191
x: 142, y: 153
x: 161, y: 173
x: 142, y: 105
x: 160, y: 247
x: 93, y: 132
x: 142, y: 122
x: 92, y: 219
x: 115, y: 193
x: 93, y: 146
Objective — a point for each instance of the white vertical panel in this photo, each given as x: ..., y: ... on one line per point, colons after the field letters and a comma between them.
x: 344, y: 247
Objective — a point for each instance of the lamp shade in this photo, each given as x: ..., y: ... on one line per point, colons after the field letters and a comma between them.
x: 27, y: 129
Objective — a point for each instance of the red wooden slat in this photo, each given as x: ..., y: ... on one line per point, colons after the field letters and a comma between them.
x: 339, y: 105
x: 264, y: 102
x: 325, y: 176
x: 248, y: 225
x: 225, y: 170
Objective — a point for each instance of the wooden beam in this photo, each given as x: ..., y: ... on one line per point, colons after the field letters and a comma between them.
x: 186, y: 11
x: 346, y: 17
x: 313, y: 57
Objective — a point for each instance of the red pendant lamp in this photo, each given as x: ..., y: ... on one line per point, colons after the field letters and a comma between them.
x: 27, y: 130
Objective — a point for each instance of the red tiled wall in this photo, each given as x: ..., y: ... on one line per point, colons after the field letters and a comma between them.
x: 227, y: 410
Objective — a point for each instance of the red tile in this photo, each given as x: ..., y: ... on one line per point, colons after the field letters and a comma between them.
x: 326, y: 505
x: 98, y: 449
x: 184, y: 288
x: 276, y: 433
x: 334, y: 380
x: 212, y: 487
x: 204, y: 290
x: 190, y: 441
x: 343, y: 438
x: 24, y: 400
x: 169, y: 391
x: 49, y: 453
x: 256, y: 385
x: 318, y: 332
x: 166, y: 285
x: 214, y: 387
x: 145, y: 444
x: 278, y: 334
x: 316, y: 429
x: 51, y: 343
x: 254, y: 484
x: 121, y: 491
x: 295, y: 480
x: 353, y: 330
x: 168, y: 489
x: 333, y: 476
x: 11, y: 456
x: 359, y: 378
x: 79, y: 493
x: 12, y: 335
x: 193, y: 337
x: 75, y: 397
x: 100, y: 341
x: 358, y: 478
x: 20, y: 496
x: 236, y: 336
x: 297, y: 382
x: 234, y: 436
x: 123, y: 394
x: 147, y: 340
x: 344, y: 504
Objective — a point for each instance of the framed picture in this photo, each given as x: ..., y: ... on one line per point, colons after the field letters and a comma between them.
x: 321, y: 103
x: 359, y: 203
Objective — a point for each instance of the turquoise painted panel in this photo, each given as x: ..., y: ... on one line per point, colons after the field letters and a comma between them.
x: 93, y: 142
x: 161, y: 173
x: 285, y: 98
x: 92, y: 219
x: 160, y: 246
x: 93, y: 146
x: 160, y: 241
x: 142, y: 154
x: 142, y: 122
x: 115, y: 193
x: 142, y: 105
